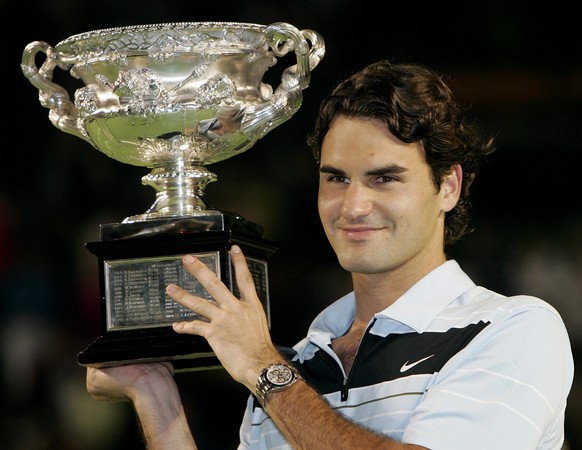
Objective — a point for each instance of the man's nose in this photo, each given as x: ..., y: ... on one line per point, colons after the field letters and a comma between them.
x: 356, y: 202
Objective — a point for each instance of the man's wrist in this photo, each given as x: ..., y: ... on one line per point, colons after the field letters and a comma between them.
x: 275, y: 378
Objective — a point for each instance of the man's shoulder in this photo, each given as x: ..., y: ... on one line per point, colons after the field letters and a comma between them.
x: 523, y: 312
x: 509, y: 303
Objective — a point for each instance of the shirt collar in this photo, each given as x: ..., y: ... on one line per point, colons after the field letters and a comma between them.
x: 416, y: 308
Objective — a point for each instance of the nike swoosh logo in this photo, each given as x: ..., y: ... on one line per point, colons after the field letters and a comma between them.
x: 406, y: 366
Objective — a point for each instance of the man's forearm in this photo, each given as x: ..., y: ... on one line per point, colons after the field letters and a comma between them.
x: 163, y: 420
x: 308, y: 423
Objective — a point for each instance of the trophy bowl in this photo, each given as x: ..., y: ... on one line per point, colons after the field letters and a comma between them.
x: 174, y: 98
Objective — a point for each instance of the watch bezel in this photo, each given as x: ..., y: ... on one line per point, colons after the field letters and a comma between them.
x: 279, y: 374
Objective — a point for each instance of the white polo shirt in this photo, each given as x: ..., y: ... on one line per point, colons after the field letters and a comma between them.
x: 449, y: 365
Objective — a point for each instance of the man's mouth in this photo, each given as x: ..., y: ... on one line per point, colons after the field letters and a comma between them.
x: 359, y: 232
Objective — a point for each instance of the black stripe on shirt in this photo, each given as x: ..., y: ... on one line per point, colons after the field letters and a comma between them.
x: 380, y: 359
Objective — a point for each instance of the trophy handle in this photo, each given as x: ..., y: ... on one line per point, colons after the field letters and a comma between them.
x: 288, y: 96
x: 63, y: 113
x: 285, y: 37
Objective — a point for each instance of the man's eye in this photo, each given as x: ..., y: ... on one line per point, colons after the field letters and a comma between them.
x: 384, y: 179
x: 338, y: 179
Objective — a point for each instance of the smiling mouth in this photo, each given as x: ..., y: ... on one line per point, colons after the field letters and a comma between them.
x: 358, y: 232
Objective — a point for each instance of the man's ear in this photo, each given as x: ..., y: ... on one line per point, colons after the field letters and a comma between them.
x: 451, y: 188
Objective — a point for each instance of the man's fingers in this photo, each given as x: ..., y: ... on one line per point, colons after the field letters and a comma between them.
x: 244, y: 278
x: 198, y: 305
x: 197, y: 327
x: 223, y: 297
x: 215, y: 287
x: 208, y: 279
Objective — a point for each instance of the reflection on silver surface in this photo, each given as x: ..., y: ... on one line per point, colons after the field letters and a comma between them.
x: 175, y: 97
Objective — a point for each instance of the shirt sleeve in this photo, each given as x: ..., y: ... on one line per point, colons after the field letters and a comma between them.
x: 245, y: 427
x: 507, y: 391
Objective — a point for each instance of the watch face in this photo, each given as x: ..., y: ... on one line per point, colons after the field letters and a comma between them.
x: 279, y: 375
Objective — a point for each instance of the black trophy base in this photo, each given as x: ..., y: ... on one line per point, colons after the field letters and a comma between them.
x: 184, y: 351
x: 136, y: 263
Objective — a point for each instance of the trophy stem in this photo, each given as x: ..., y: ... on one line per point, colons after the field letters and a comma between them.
x: 179, y: 192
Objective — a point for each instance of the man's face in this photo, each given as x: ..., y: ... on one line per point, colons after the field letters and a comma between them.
x: 377, y: 201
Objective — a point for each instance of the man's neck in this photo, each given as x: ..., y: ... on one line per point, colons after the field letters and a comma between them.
x: 376, y: 292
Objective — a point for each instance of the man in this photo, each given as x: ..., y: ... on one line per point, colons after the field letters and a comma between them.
x: 417, y: 356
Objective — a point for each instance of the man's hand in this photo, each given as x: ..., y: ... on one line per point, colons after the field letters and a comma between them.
x: 122, y: 383
x: 236, y: 329
x: 155, y: 397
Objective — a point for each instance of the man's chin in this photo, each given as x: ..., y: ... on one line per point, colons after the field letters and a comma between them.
x: 358, y: 265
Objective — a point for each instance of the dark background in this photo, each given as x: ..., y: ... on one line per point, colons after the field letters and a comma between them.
x: 517, y: 66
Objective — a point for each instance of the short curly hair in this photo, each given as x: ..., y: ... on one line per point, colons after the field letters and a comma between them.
x: 416, y: 105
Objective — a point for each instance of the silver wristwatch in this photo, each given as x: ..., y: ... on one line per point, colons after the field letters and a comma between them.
x: 275, y: 377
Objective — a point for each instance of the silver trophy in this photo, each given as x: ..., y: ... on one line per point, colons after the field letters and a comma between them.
x: 174, y: 98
